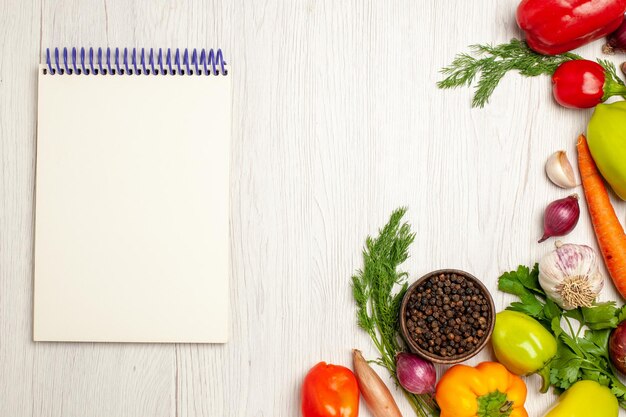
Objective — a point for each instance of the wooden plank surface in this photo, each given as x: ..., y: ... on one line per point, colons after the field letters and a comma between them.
x: 336, y: 122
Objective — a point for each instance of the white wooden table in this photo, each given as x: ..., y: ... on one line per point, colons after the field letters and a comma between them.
x: 336, y: 121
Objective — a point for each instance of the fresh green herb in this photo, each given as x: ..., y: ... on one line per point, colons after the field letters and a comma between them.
x: 610, y: 70
x: 613, y: 84
x: 582, y: 334
x: 378, y: 307
x: 491, y: 63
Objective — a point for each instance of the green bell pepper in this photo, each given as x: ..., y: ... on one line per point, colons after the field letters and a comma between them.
x: 606, y: 135
x: 523, y: 345
x: 585, y: 399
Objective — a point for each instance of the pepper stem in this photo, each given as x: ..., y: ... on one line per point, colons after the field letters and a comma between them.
x: 544, y: 373
x: 506, y: 406
x: 613, y: 88
x: 494, y: 404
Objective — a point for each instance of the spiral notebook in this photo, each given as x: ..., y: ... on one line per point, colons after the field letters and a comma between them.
x: 132, y: 196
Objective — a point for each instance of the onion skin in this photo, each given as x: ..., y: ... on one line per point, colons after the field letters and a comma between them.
x: 617, y: 347
x: 416, y: 375
x: 374, y: 391
x: 561, y: 217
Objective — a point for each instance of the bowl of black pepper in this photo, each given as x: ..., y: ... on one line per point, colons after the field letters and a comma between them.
x: 447, y: 316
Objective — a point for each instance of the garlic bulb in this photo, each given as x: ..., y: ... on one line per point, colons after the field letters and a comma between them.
x: 570, y: 277
x: 559, y: 170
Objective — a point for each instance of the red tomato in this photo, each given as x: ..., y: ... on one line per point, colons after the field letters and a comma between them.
x: 330, y: 391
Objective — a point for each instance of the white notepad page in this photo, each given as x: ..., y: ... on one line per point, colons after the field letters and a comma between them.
x: 132, y: 208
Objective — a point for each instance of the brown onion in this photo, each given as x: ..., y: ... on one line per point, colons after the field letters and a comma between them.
x: 374, y: 391
x: 560, y: 217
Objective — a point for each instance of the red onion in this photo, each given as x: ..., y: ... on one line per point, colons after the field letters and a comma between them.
x: 617, y: 347
x: 616, y: 41
x: 560, y: 217
x: 415, y: 374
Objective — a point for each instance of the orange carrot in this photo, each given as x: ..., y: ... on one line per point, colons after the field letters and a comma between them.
x: 609, y: 231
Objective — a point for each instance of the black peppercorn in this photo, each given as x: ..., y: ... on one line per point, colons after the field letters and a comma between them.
x: 447, y: 315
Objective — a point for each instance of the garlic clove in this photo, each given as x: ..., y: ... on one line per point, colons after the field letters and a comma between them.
x: 560, y: 171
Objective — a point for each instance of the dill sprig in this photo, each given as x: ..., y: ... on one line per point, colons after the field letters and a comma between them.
x: 378, y: 307
x: 490, y: 63
x: 610, y: 70
x: 613, y: 84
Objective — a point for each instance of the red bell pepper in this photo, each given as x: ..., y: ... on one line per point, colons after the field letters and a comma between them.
x: 330, y: 391
x: 556, y: 26
x: 581, y: 84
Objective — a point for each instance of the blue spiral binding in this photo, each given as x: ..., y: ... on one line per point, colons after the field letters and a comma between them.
x: 150, y: 62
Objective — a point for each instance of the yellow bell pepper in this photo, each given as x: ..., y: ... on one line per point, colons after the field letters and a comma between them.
x: 488, y: 390
x: 586, y: 399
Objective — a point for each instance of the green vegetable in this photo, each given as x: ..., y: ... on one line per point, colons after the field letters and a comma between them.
x: 606, y: 136
x: 582, y: 346
x: 584, y: 399
x: 378, y: 307
x: 523, y: 345
x: 490, y: 64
